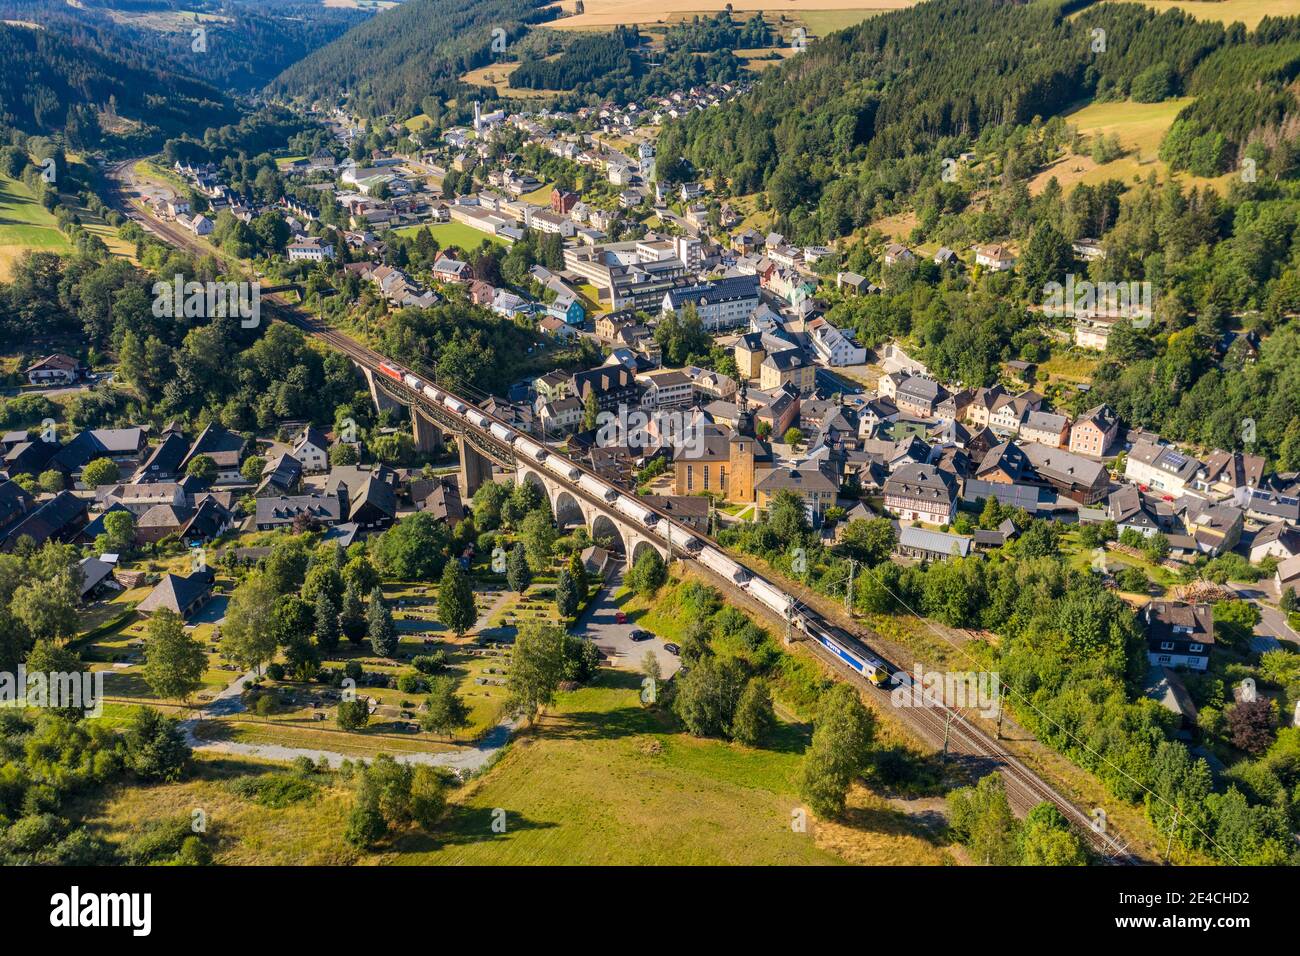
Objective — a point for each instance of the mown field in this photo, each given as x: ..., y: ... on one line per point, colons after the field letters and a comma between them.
x: 823, y: 17
x: 24, y: 225
x: 1249, y: 12
x: 454, y: 234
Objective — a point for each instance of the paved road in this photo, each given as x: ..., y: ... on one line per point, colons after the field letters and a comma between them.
x: 1272, y: 629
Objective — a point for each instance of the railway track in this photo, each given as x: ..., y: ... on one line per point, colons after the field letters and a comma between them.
x: 937, y: 725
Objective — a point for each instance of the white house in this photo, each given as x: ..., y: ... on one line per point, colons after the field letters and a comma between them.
x: 832, y: 346
x: 995, y: 258
x: 310, y: 249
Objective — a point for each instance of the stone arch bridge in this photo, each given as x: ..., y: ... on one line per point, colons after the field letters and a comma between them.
x: 480, y: 451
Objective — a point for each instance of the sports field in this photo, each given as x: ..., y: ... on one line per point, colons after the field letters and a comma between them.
x: 454, y: 234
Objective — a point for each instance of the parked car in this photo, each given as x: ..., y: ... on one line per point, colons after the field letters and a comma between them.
x: 673, y: 649
x: 620, y: 617
x: 640, y: 635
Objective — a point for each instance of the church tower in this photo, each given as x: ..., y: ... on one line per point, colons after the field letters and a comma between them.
x: 743, y: 448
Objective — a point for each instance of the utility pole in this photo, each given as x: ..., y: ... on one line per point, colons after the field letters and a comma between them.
x: 946, y: 725
x: 1170, y: 845
x: 1002, y: 696
x: 848, y: 594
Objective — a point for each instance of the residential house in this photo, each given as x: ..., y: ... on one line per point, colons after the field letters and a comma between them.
x: 898, y: 254
x: 164, y: 461
x: 446, y: 269
x: 289, y: 511
x: 1287, y: 576
x: 1161, y: 467
x: 816, y: 486
x: 59, y: 519
x: 1229, y: 474
x: 56, y: 369
x: 1079, y: 479
x: 917, y: 492
x: 995, y: 258
x: 611, y: 385
x: 225, y: 448
x: 918, y: 396
x: 310, y: 250
x: 312, y: 450
x: 1133, y: 511
x: 1094, y: 431
x: 1269, y: 506
x: 1215, y: 526
x: 180, y: 595
x: 723, y: 304
x: 1279, y: 540
x: 833, y: 347
x: 282, y: 475
x: 373, y: 506
x: 440, y: 497
x: 789, y: 367
x: 1178, y: 634
x: 666, y: 388
x: 1046, y: 428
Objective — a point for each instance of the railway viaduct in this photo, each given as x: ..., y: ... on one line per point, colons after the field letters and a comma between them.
x: 480, y: 451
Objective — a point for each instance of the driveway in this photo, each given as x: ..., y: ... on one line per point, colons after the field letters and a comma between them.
x: 615, y: 640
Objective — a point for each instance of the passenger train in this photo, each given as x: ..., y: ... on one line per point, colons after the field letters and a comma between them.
x: 763, y: 591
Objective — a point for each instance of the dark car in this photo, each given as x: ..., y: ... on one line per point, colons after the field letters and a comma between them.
x: 673, y: 649
x: 640, y: 635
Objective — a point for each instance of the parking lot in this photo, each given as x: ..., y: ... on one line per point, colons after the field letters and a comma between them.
x: 600, y: 623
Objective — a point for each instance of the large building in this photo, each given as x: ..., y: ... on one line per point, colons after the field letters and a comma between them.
x: 789, y: 367
x: 723, y: 304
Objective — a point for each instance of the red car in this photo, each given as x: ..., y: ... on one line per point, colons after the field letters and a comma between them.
x: 620, y: 617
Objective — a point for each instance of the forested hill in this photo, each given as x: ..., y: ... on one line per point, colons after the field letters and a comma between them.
x: 248, y: 41
x: 391, y: 62
x: 866, y: 114
x: 53, y: 82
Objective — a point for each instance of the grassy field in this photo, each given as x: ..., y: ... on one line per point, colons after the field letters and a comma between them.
x: 497, y: 76
x: 826, y: 16
x: 1140, y: 128
x: 240, y: 831
x: 454, y: 234
x: 24, y: 225
x: 1249, y: 12
x: 605, y: 781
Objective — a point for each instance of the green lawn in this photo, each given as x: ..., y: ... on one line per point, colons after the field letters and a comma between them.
x: 454, y: 234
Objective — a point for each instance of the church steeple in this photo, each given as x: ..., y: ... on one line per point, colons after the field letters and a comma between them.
x: 744, y: 420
